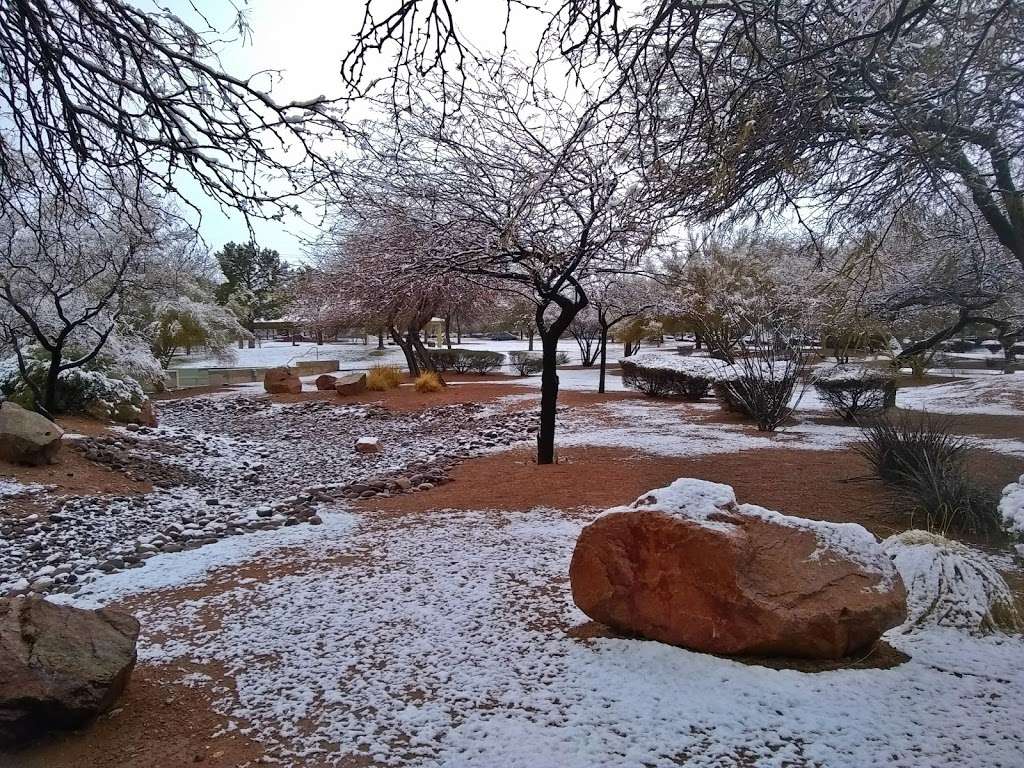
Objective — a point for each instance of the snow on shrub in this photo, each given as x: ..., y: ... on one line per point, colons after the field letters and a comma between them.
x: 950, y: 585
x: 466, y: 360
x: 661, y: 375
x: 78, y: 391
x: 853, y: 390
x: 1011, y: 510
x: 525, y: 362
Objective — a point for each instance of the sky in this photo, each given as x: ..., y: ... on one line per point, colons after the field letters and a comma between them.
x: 306, y: 40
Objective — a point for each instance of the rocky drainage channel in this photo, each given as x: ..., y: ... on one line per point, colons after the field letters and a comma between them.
x: 210, y: 487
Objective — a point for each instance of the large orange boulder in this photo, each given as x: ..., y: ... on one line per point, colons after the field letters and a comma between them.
x: 282, y: 381
x: 688, y: 565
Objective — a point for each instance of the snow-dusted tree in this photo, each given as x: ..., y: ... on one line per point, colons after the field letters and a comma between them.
x: 722, y: 288
x: 616, y: 299
x: 586, y: 331
x: 842, y: 112
x: 521, y: 188
x: 66, y: 277
x: 363, y: 279
x: 184, y: 324
x: 927, y: 276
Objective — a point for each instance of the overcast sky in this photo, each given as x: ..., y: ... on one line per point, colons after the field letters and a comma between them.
x: 306, y: 40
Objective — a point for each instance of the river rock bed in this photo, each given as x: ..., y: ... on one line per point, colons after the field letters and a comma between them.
x: 224, y: 466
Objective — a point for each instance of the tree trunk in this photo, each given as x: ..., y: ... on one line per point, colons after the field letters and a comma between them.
x: 448, y: 330
x: 604, y: 357
x: 548, y: 399
x: 380, y: 338
x: 50, y: 392
x: 530, y: 343
x: 407, y: 350
x: 458, y: 330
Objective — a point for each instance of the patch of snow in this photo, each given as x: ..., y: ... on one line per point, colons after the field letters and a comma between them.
x: 664, y: 429
x: 10, y: 487
x: 1001, y: 395
x: 442, y: 642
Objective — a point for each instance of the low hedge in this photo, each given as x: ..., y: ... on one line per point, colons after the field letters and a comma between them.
x: 853, y: 391
x: 660, y: 375
x: 466, y: 360
x: 526, y: 362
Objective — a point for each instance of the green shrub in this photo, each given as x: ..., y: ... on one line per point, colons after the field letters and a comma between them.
x: 526, y: 362
x: 465, y: 360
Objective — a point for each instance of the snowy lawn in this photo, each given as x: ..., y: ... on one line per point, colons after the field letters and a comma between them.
x: 441, y: 641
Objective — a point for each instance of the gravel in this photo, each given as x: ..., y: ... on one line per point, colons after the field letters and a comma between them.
x: 224, y: 466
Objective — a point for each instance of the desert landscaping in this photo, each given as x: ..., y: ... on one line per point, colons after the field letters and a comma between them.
x: 501, y: 384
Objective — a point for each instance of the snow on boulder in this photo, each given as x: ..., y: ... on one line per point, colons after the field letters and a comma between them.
x: 367, y: 445
x: 60, y: 666
x: 352, y: 384
x: 689, y: 566
x: 951, y: 585
x: 1011, y: 510
x: 282, y: 381
x: 26, y: 437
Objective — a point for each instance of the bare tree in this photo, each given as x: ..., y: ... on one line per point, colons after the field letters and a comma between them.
x: 95, y: 85
x: 832, y: 109
x: 617, y: 298
x: 522, y: 189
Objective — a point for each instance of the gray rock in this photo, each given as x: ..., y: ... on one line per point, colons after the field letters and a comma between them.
x: 26, y: 437
x: 60, y: 666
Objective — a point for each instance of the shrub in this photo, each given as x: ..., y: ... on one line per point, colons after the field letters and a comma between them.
x: 661, y: 375
x: 923, y: 459
x: 428, y: 382
x: 383, y: 377
x: 78, y: 391
x: 760, y: 387
x: 526, y: 363
x: 466, y: 360
x: 951, y: 585
x: 961, y: 345
x: 852, y: 391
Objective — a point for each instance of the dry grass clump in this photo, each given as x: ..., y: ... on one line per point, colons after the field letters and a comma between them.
x: 428, y: 381
x: 383, y: 377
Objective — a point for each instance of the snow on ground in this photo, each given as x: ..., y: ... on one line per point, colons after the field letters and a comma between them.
x: 10, y: 487
x: 441, y: 641
x: 663, y: 429
x: 226, y: 465
x: 1000, y: 395
x: 352, y: 355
